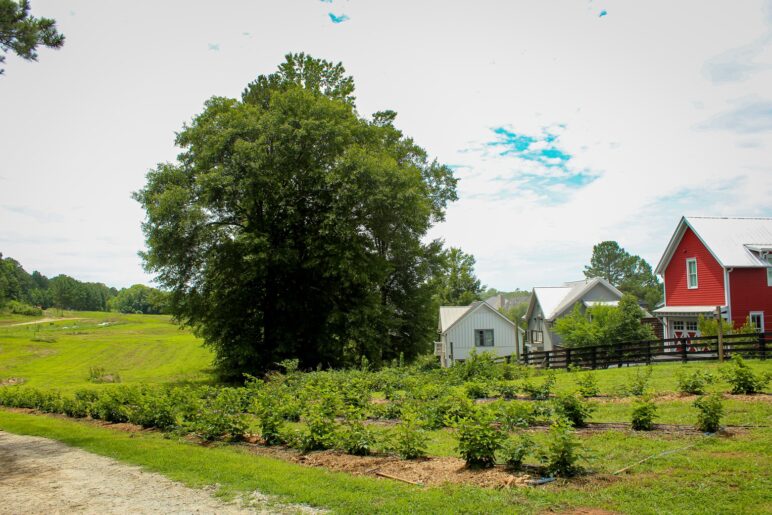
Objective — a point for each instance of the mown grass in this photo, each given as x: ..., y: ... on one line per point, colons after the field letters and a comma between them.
x: 718, y: 475
x: 140, y: 348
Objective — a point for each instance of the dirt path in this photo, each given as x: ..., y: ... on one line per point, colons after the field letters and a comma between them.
x: 44, y: 476
x: 44, y: 320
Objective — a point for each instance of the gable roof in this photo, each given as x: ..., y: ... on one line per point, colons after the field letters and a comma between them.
x: 451, y: 315
x: 555, y: 300
x: 734, y: 242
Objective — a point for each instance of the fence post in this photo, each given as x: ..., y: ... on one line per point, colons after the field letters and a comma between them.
x: 720, y: 334
x: 594, y: 357
x: 525, y: 354
x: 763, y: 345
x: 648, y: 352
x: 618, y: 349
x: 568, y: 358
x: 684, y: 351
x: 547, y: 357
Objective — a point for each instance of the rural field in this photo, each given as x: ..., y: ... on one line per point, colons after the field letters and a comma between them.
x: 478, y: 438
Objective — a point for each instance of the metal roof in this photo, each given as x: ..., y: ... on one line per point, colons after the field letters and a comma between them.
x: 449, y: 315
x: 670, y: 310
x: 732, y: 241
x: 557, y: 299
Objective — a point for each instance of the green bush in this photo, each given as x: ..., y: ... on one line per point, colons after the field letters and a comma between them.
x: 540, y: 392
x: 408, y: 438
x: 20, y: 308
x: 514, y: 450
x: 320, y: 428
x: 514, y: 414
x: 447, y: 410
x: 476, y: 390
x: 354, y: 437
x: 221, y: 415
x: 573, y: 408
x: 270, y: 418
x: 644, y: 411
x: 479, y: 439
x: 588, y: 385
x: 638, y: 382
x: 694, y: 383
x: 711, y: 409
x: 742, y: 378
x: 562, y: 451
x: 507, y: 389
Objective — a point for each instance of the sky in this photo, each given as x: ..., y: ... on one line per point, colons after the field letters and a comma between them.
x: 567, y: 122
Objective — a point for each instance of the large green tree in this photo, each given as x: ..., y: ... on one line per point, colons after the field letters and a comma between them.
x: 604, y: 324
x: 628, y: 272
x: 456, y: 284
x: 290, y: 226
x: 21, y: 33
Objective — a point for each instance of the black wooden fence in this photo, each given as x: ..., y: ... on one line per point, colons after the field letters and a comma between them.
x: 652, y: 351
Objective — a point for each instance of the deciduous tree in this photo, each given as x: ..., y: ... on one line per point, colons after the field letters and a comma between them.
x: 292, y: 227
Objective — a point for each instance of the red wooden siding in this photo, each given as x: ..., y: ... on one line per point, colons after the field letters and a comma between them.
x: 710, y: 275
x: 749, y: 291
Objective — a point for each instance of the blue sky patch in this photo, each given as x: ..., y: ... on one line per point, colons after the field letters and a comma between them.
x: 603, y: 13
x: 337, y: 19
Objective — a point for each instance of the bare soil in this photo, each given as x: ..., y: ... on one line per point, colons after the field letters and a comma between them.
x: 44, y: 320
x: 44, y: 476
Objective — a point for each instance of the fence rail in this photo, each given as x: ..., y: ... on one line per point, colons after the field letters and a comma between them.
x: 652, y: 351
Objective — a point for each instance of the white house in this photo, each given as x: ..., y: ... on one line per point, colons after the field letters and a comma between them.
x: 550, y: 303
x: 477, y: 327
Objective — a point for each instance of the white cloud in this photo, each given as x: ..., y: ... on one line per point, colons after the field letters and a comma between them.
x: 627, y: 94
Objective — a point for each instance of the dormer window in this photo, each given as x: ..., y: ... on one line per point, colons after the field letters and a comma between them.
x: 691, y: 273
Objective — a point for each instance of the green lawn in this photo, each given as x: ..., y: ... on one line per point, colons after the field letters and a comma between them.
x: 140, y: 348
x: 719, y: 474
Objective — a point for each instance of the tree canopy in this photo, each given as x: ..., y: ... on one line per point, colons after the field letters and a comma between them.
x: 456, y: 283
x: 630, y: 273
x: 604, y: 324
x: 290, y: 226
x: 21, y: 33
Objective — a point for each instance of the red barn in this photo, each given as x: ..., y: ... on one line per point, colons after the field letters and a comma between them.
x: 711, y: 262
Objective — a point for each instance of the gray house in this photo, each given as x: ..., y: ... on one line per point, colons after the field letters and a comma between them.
x: 550, y: 303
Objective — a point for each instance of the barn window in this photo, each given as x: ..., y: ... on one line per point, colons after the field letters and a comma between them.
x: 678, y: 325
x: 483, y: 337
x: 691, y: 273
x: 691, y: 325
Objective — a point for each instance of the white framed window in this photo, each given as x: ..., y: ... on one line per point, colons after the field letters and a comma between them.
x: 691, y: 273
x: 536, y: 336
x: 483, y: 337
x: 757, y: 320
x: 678, y: 325
x: 769, y: 270
x: 691, y: 325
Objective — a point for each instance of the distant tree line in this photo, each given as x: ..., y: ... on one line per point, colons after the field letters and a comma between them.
x: 64, y: 292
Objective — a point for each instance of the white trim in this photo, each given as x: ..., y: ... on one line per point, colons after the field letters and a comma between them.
x: 664, y: 261
x: 761, y: 315
x: 728, y: 295
x: 480, y: 304
x: 689, y: 274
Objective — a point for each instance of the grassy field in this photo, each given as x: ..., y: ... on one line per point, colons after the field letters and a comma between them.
x: 140, y: 348
x: 727, y: 473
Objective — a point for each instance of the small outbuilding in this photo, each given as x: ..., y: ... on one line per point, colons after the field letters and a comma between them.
x: 477, y: 327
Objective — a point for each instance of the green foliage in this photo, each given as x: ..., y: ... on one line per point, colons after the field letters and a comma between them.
x: 267, y: 407
x: 408, y: 438
x: 478, y: 366
x: 292, y: 227
x: 514, y: 414
x: 447, y: 410
x: 573, y: 409
x: 542, y: 391
x: 588, y: 385
x: 515, y: 449
x: 320, y: 427
x: 21, y: 33
x: 354, y: 437
x: 604, y: 324
x: 456, y: 283
x: 694, y: 383
x: 507, y: 389
x: 563, y: 450
x: 644, y: 411
x: 140, y: 299
x: 100, y: 375
x: 630, y: 273
x: 222, y: 415
x: 711, y: 409
x: 479, y: 438
x: 476, y: 390
x: 709, y: 326
x: 638, y: 382
x: 742, y: 378
x: 20, y: 308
